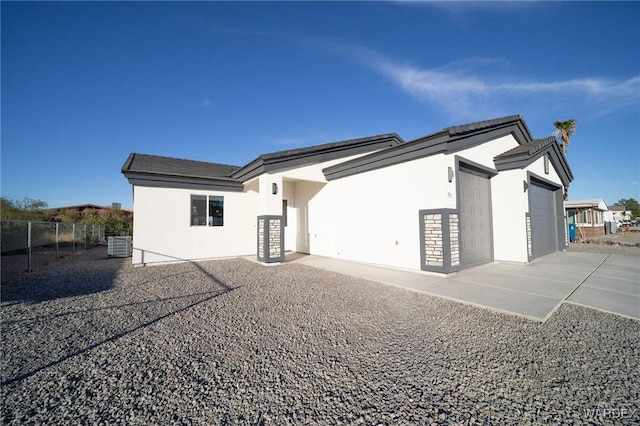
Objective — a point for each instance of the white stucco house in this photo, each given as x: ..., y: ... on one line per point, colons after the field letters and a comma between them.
x: 458, y: 198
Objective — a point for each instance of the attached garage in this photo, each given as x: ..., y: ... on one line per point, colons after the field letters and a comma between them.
x: 545, y: 209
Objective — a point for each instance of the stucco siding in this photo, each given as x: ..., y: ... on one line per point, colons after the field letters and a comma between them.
x: 484, y: 154
x: 509, y: 204
x: 373, y: 217
x: 163, y: 233
x: 537, y: 167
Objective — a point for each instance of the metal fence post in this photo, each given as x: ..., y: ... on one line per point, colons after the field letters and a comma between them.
x: 73, y: 239
x: 29, y: 247
x: 57, y: 240
x: 85, y: 236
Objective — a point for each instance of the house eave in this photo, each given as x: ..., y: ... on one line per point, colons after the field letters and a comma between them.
x: 447, y: 141
x: 272, y: 163
x: 522, y: 160
x: 156, y: 180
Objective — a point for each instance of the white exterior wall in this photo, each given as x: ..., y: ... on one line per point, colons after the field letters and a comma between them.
x: 162, y: 231
x: 509, y: 204
x: 537, y: 167
x: 373, y: 217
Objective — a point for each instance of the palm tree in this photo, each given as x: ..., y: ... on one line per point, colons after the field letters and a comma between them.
x: 564, y: 130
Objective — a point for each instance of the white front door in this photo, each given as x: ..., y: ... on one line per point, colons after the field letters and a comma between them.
x: 290, y: 223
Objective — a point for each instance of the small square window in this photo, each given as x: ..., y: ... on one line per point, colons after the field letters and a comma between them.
x: 207, y: 210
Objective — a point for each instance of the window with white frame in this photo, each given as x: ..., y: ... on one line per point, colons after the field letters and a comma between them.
x: 207, y: 210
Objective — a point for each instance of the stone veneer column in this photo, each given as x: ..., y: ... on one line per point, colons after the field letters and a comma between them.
x: 270, y: 239
x: 454, y: 241
x: 440, y: 240
x: 433, y: 254
x: 270, y: 228
x: 529, y: 242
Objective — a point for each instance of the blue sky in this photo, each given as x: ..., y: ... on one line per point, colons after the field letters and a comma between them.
x: 86, y: 83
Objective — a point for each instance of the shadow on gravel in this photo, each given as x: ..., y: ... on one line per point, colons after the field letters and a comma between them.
x: 70, y: 333
x: 89, y: 272
x: 114, y: 337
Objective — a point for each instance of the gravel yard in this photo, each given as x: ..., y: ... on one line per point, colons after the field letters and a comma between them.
x: 96, y: 341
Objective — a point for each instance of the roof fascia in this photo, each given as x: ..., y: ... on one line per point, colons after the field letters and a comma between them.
x: 127, y: 164
x: 436, y: 143
x: 524, y: 159
x: 183, y: 182
x: 270, y: 164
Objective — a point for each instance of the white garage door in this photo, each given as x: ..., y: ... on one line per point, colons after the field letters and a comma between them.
x: 542, y: 208
x: 476, y: 246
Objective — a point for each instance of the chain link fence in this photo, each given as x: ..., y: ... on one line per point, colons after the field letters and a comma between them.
x: 26, y: 245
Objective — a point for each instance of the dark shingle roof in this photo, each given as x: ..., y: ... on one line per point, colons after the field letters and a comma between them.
x: 333, y: 146
x: 523, y: 155
x: 156, y: 164
x: 155, y: 171
x: 448, y: 140
x: 282, y: 160
x: 487, y: 124
x: 529, y: 149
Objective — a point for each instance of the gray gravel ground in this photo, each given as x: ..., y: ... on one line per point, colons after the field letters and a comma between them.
x: 97, y: 341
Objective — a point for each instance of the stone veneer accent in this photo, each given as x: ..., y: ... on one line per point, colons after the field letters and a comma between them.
x: 433, y: 254
x: 440, y: 240
x: 260, y: 238
x: 454, y: 235
x: 275, y: 243
x: 270, y: 239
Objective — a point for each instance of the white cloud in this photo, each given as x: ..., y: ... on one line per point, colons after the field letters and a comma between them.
x: 464, y: 87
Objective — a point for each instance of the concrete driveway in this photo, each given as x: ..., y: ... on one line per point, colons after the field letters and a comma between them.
x: 606, y: 282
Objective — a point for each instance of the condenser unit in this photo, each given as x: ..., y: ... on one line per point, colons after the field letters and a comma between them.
x: 119, y: 247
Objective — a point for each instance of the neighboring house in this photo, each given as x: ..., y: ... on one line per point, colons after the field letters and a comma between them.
x: 620, y: 214
x: 588, y: 216
x: 458, y: 198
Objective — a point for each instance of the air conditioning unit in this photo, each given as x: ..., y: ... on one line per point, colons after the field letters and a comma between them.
x: 120, y: 246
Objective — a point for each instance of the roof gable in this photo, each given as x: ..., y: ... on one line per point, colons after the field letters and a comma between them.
x: 167, y: 172
x: 525, y: 154
x: 448, y: 140
x: 284, y: 160
x: 597, y: 203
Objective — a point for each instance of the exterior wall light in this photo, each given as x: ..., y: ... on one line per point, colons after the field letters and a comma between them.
x: 274, y: 188
x: 450, y: 174
x: 526, y: 185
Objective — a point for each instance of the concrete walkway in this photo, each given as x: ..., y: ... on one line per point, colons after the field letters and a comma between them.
x: 607, y: 282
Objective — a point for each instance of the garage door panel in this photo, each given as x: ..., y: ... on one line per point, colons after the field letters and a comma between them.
x: 542, y: 209
x: 475, y: 219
